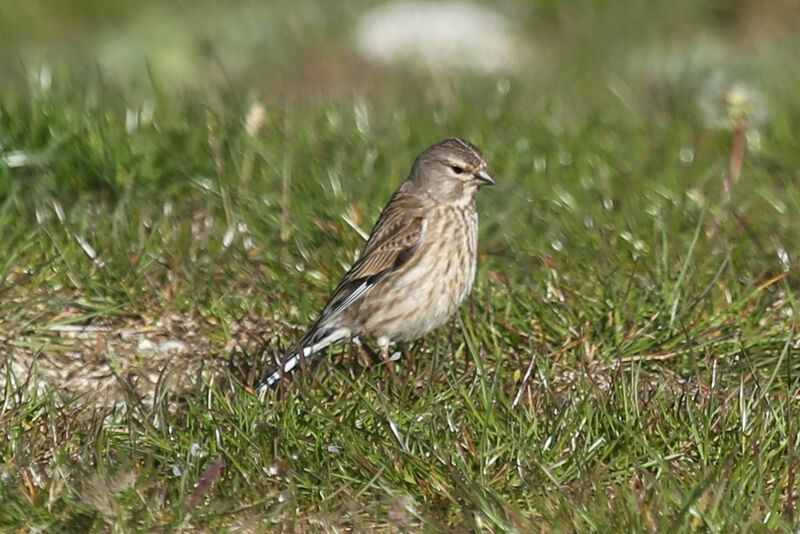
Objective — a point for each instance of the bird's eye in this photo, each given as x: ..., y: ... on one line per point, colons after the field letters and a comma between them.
x: 456, y: 169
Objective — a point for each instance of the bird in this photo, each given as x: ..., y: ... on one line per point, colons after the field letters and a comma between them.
x: 417, y: 266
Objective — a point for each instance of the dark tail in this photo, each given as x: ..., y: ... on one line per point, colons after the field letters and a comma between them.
x: 303, y: 354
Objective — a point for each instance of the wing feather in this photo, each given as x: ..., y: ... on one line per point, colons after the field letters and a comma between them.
x: 393, y: 242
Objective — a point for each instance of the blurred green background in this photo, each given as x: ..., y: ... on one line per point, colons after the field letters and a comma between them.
x: 283, y: 48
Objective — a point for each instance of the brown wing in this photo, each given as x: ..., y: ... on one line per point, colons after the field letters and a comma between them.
x: 393, y: 242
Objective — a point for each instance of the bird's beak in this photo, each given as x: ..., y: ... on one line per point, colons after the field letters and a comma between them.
x: 484, y: 178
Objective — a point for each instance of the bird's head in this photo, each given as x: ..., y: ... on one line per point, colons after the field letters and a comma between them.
x: 451, y: 171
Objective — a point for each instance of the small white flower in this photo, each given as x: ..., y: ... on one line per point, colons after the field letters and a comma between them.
x: 45, y: 78
x: 17, y: 158
x: 227, y: 239
x: 727, y: 105
x: 254, y: 119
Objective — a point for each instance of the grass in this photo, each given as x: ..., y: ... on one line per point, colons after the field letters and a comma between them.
x: 627, y: 361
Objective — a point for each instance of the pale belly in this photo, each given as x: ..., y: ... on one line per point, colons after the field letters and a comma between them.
x: 423, y: 296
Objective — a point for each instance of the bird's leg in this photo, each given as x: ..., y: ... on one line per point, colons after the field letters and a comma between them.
x: 403, y: 346
x: 387, y: 360
x: 356, y: 361
x: 374, y: 357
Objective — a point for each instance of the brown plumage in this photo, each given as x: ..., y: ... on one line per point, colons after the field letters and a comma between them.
x: 418, y: 264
